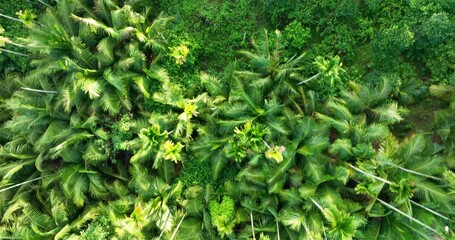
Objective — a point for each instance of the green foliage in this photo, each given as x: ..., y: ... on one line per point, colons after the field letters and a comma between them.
x: 296, y: 36
x: 180, y: 53
x: 342, y: 225
x: 27, y: 16
x: 444, y: 124
x: 196, y: 173
x: 128, y: 125
x: 222, y: 214
x: 98, y: 229
x: 122, y: 132
x: 390, y: 43
x: 436, y: 29
x: 15, y: 30
x: 250, y: 138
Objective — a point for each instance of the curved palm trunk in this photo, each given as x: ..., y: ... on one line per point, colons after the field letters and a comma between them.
x: 322, y: 210
x: 431, y: 211
x: 369, y: 174
x: 277, y: 229
x: 388, y: 182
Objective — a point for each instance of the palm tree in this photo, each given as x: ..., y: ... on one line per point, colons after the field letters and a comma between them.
x: 91, y: 68
x: 328, y: 70
x: 302, y: 171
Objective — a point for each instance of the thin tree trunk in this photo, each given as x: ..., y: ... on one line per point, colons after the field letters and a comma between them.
x: 309, y: 79
x: 11, y: 18
x: 252, y: 225
x: 370, y: 175
x: 19, y: 184
x: 17, y: 44
x: 47, y: 5
x: 178, y: 226
x: 430, y: 210
x: 13, y: 52
x: 414, y: 172
x: 408, y: 216
x: 37, y: 90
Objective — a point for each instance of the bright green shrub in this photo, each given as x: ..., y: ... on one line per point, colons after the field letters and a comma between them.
x: 389, y: 43
x: 438, y: 28
x: 196, y: 173
x: 121, y: 133
x: 220, y: 27
x: 97, y: 230
x: 441, y: 62
x: 296, y: 36
x: 222, y: 214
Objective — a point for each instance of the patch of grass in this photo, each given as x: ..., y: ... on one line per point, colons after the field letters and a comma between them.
x: 420, y: 117
x: 421, y: 114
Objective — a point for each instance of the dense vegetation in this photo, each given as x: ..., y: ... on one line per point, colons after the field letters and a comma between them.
x: 239, y: 119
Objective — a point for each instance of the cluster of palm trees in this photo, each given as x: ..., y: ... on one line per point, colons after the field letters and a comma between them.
x: 82, y: 158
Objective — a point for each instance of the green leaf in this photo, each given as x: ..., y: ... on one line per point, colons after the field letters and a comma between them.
x: 341, y: 174
x: 290, y: 196
x: 431, y: 192
x: 340, y: 111
x: 342, y: 148
x: 293, y: 218
x: 308, y: 190
x: 314, y: 169
x: 389, y: 113
x: 413, y: 146
x: 443, y: 92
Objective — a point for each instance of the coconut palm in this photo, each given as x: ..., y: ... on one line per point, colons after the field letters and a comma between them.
x: 90, y: 69
x: 302, y: 170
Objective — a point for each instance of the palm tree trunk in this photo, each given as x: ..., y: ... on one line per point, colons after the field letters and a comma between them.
x: 413, y: 202
x: 414, y: 172
x: 430, y: 210
x: 17, y: 44
x: 11, y: 18
x: 252, y: 225
x: 370, y: 175
x: 13, y: 52
x: 308, y: 231
x: 19, y: 184
x: 177, y: 228
x: 162, y: 232
x: 309, y: 79
x: 277, y: 229
x: 408, y: 216
x: 47, y: 5
x: 322, y: 211
x: 37, y: 90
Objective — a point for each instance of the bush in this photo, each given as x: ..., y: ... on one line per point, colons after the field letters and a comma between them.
x: 389, y: 43
x: 296, y: 36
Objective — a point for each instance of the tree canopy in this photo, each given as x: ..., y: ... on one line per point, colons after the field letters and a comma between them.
x: 131, y: 119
